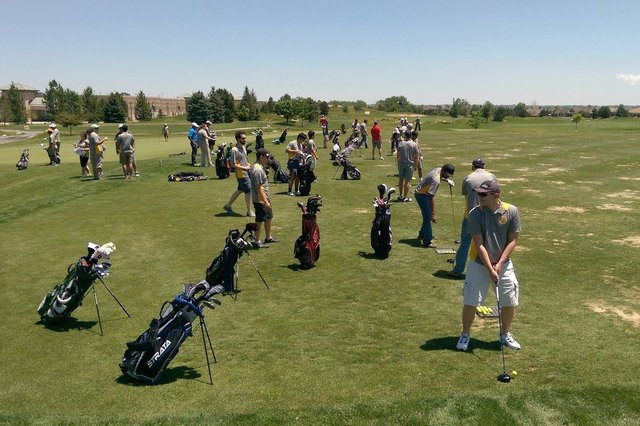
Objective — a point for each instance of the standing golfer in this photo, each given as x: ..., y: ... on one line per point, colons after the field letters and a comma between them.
x: 294, y: 151
x: 408, y: 156
x: 261, y: 198
x: 376, y: 140
x: 193, y: 142
x: 96, y: 151
x: 125, y: 143
x: 242, y: 167
x: 469, y: 184
x: 166, y: 132
x: 494, y: 227
x: 425, y: 194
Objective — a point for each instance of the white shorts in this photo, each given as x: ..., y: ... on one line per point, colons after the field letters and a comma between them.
x: 477, y: 283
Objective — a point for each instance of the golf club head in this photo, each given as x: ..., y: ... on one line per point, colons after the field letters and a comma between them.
x: 504, y: 378
x: 208, y: 304
x: 382, y: 188
x: 390, y: 192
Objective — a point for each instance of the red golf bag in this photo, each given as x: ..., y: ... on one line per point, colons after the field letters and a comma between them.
x: 307, y: 246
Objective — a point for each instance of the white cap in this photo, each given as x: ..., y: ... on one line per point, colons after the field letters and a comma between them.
x: 53, y: 125
x: 194, y: 124
x: 95, y: 126
x: 208, y: 122
x: 120, y: 126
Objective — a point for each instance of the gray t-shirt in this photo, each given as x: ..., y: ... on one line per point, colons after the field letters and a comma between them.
x: 494, y: 227
x: 470, y: 183
x: 125, y: 142
x: 239, y: 155
x: 407, y: 151
x: 94, y: 148
x: 430, y: 182
x: 258, y: 178
x: 201, y: 137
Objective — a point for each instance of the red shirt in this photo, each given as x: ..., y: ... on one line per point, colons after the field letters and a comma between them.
x: 323, y: 122
x: 375, y: 133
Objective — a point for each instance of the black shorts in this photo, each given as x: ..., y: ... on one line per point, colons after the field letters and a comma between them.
x: 293, y: 166
x: 262, y: 213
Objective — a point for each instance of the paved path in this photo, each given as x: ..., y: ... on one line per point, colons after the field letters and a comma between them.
x: 13, y: 138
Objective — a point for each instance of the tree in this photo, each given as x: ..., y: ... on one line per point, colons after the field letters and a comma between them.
x: 4, y: 109
x: 475, y: 119
x: 520, y: 110
x: 306, y: 109
x: 576, y: 118
x: 269, y: 106
x: 359, y: 106
x: 198, y: 108
x: 459, y: 108
x: 89, y: 105
x: 622, y: 111
x: 324, y: 107
x: 115, y: 109
x: 487, y: 111
x: 142, y: 108
x: 15, y: 106
x: 229, y: 104
x: 500, y: 113
x: 249, y: 102
x: 604, y: 112
x: 285, y: 108
x: 243, y: 114
x: 52, y: 99
x: 67, y: 119
x: 394, y: 104
x: 216, y: 105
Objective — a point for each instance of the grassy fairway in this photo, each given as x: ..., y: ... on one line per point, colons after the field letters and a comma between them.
x: 354, y: 340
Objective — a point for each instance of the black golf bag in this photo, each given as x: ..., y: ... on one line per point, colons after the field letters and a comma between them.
x: 348, y: 169
x: 222, y: 165
x: 23, y: 162
x: 307, y: 247
x: 306, y: 175
x: 279, y: 175
x: 222, y: 269
x: 381, y: 235
x: 259, y: 139
x: 186, y: 177
x: 333, y: 137
x: 146, y: 358
x: 65, y: 297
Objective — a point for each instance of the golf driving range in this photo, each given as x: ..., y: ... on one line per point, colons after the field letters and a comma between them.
x: 355, y: 339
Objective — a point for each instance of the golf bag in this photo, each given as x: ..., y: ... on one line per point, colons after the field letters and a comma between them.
x: 381, y: 235
x: 223, y: 268
x: 259, y: 139
x: 342, y: 160
x: 222, y: 165
x: 23, y: 162
x: 333, y: 137
x: 65, y: 298
x: 307, y: 247
x: 279, y: 175
x: 146, y: 358
x: 187, y: 177
x: 306, y: 175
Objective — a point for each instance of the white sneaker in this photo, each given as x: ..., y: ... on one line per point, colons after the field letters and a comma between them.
x: 508, y: 340
x: 251, y: 214
x: 463, y: 342
x: 291, y: 193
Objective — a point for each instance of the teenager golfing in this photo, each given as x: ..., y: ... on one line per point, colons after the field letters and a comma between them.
x: 494, y: 227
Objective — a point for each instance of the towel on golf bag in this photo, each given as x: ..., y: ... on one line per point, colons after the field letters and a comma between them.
x: 187, y: 177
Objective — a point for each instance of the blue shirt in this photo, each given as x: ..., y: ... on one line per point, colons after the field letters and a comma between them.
x: 193, y: 135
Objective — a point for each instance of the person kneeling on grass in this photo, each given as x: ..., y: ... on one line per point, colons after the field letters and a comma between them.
x: 494, y: 227
x: 261, y: 198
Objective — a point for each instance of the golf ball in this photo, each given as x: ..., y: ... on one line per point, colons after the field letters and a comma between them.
x: 514, y: 373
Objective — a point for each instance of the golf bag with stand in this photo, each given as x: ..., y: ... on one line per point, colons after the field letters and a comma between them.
x: 146, y: 358
x: 306, y: 175
x: 381, y: 235
x: 348, y: 169
x: 222, y: 166
x: 23, y: 162
x: 65, y: 298
x: 279, y: 175
x: 307, y: 247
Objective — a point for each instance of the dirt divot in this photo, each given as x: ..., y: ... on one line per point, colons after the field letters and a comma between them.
x: 615, y: 207
x: 633, y: 241
x: 626, y: 314
x: 566, y: 209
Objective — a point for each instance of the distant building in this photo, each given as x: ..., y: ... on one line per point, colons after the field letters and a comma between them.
x: 33, y: 100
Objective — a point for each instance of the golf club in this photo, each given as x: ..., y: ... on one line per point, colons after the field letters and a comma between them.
x: 382, y: 188
x: 453, y: 215
x: 503, y: 377
x: 391, y: 192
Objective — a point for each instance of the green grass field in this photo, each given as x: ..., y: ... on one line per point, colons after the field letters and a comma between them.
x: 354, y: 340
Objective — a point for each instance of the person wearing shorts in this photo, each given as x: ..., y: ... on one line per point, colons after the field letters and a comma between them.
x: 494, y: 227
x: 125, y: 143
x: 261, y: 198
x: 242, y: 167
x: 294, y: 151
x: 376, y: 140
x: 408, y: 157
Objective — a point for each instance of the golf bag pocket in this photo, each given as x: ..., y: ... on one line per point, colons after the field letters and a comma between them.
x: 302, y: 252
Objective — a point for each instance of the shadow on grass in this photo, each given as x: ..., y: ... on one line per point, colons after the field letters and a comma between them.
x: 170, y: 375
x: 413, y: 242
x: 69, y: 324
x: 367, y: 255
x: 296, y: 267
x: 448, y: 343
x: 232, y: 214
x: 445, y: 275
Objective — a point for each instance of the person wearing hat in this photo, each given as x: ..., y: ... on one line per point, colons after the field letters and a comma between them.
x: 494, y: 227
x: 241, y: 165
x: 95, y: 151
x: 55, y: 137
x: 261, y: 198
x: 166, y: 132
x: 212, y: 137
x: 203, y: 138
x: 469, y: 184
x: 193, y: 142
x: 425, y: 194
x: 376, y: 140
x: 324, y: 125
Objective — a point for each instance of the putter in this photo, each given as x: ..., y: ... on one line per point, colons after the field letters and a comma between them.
x: 503, y: 377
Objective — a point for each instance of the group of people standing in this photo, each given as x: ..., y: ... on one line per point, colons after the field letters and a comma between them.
x: 202, y: 138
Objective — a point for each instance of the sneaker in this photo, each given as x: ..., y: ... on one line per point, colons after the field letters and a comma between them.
x: 291, y: 193
x: 463, y: 342
x: 251, y: 214
x: 407, y: 200
x: 455, y: 274
x: 430, y: 245
x: 258, y: 245
x: 271, y: 240
x: 508, y: 340
x: 137, y: 173
x: 400, y: 198
x: 382, y: 158
x: 227, y: 209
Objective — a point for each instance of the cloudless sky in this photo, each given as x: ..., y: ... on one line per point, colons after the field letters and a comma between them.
x: 548, y: 52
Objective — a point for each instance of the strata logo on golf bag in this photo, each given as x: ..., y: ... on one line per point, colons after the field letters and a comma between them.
x: 381, y: 235
x: 146, y: 359
x: 307, y: 246
x: 306, y: 175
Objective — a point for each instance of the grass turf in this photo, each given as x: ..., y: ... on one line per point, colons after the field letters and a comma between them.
x: 355, y: 339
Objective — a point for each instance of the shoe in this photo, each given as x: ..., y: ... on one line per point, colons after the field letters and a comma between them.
x: 251, y: 214
x: 271, y: 240
x: 430, y: 245
x: 407, y: 200
x: 508, y: 340
x: 382, y: 158
x: 137, y: 174
x: 258, y: 245
x: 227, y: 209
x: 400, y: 198
x: 463, y: 342
x: 455, y: 274
x: 291, y: 193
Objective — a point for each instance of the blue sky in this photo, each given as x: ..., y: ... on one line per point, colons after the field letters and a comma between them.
x: 548, y: 52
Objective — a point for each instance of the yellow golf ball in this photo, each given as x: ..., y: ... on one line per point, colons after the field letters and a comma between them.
x: 514, y: 373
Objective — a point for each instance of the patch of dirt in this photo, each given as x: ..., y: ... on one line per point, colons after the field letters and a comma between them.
x: 627, y: 194
x: 522, y: 248
x: 506, y: 180
x: 602, y: 308
x: 362, y: 211
x: 615, y: 207
x: 531, y: 191
x: 588, y: 182
x: 628, y: 178
x: 566, y: 209
x: 558, y: 182
x: 633, y: 241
